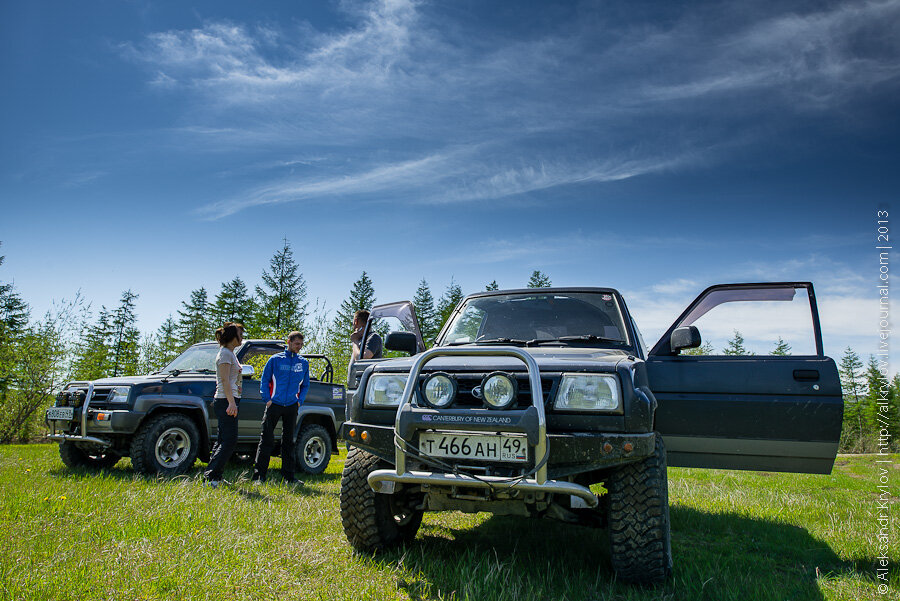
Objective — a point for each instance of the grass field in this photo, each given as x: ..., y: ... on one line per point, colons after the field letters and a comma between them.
x: 114, y: 535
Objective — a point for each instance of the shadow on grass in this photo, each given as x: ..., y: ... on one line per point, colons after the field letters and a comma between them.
x: 717, y: 556
x: 239, y: 478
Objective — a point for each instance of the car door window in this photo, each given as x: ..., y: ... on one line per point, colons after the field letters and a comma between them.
x: 754, y: 321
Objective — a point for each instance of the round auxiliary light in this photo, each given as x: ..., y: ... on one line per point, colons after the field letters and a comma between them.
x: 439, y: 389
x: 499, y: 390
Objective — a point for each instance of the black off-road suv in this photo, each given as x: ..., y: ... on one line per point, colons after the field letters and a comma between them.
x: 165, y: 421
x: 530, y: 397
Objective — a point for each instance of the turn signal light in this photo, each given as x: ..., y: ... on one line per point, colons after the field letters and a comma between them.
x: 364, y: 436
x: 352, y: 432
x: 103, y: 417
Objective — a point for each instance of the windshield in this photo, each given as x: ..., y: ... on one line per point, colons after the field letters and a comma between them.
x: 558, y: 317
x: 196, y: 358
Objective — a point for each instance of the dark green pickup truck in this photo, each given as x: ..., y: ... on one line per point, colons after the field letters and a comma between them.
x: 531, y: 397
x: 164, y: 421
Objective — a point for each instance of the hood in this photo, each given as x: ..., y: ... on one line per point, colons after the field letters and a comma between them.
x: 549, y: 359
x: 131, y: 380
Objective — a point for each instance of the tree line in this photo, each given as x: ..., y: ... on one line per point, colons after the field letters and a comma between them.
x: 71, y: 341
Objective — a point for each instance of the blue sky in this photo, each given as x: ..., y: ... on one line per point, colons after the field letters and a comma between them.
x: 654, y: 147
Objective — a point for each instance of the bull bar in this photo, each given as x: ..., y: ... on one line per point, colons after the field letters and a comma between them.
x: 383, y: 480
x: 83, y: 437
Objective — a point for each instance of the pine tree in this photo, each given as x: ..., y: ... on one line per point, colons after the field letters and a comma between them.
x: 233, y: 303
x: 125, y: 336
x: 282, y: 298
x: 735, y: 346
x: 158, y: 349
x: 782, y: 348
x: 492, y: 286
x: 852, y: 383
x: 14, y: 315
x: 538, y: 280
x: 448, y: 301
x: 93, y: 359
x: 338, y: 346
x: 193, y: 323
x: 875, y: 406
x: 425, y: 312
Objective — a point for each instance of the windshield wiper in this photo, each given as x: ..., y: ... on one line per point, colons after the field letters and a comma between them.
x: 502, y: 341
x: 586, y: 338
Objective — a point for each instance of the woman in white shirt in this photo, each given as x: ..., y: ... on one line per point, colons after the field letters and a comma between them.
x: 227, y: 399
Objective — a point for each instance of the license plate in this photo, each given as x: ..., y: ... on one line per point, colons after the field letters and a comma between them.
x: 486, y: 447
x: 62, y: 413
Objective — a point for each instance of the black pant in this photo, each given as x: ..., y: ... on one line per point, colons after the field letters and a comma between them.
x: 288, y: 416
x: 226, y: 441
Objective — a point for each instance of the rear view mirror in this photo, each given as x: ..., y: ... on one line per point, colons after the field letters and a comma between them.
x: 247, y: 371
x: 401, y: 341
x: 685, y: 337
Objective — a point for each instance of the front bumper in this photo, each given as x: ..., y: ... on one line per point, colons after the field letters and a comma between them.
x: 570, y: 454
x: 93, y: 430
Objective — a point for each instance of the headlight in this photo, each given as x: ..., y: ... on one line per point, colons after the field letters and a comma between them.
x: 588, y: 392
x: 439, y: 389
x: 385, y: 390
x: 499, y: 390
x: 119, y: 394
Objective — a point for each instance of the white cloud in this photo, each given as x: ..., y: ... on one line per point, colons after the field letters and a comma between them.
x: 459, y: 116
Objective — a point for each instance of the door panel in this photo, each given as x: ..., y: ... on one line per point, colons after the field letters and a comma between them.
x: 756, y: 412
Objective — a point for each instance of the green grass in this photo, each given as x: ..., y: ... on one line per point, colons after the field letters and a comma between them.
x: 114, y: 535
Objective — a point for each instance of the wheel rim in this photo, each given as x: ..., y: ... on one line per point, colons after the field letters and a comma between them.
x: 314, y: 451
x: 172, y: 447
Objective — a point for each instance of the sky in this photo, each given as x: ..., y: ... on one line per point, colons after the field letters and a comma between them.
x: 653, y: 147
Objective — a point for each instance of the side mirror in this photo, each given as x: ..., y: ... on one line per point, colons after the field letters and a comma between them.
x: 685, y: 337
x: 247, y: 371
x: 401, y: 341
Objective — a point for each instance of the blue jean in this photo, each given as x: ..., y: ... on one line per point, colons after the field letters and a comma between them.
x: 226, y: 441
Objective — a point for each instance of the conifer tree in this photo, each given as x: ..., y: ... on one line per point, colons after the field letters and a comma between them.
x: 233, y: 303
x: 538, y: 280
x: 448, y: 301
x: 159, y: 348
x: 492, y: 286
x: 14, y: 315
x: 93, y: 358
x: 852, y: 383
x: 782, y: 348
x: 425, y: 312
x: 193, y: 321
x: 282, y: 297
x: 735, y: 346
x: 338, y: 346
x: 125, y: 337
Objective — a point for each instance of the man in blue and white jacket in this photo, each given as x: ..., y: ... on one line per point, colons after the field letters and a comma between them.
x: 283, y: 386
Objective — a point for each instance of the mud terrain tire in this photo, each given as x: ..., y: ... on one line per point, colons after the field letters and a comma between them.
x: 167, y: 445
x: 74, y: 457
x: 639, y: 530
x: 372, y: 521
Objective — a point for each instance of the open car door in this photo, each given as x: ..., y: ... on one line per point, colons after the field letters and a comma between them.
x: 398, y: 316
x: 736, y: 410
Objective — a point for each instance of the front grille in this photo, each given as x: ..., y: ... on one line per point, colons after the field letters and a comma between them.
x: 468, y: 382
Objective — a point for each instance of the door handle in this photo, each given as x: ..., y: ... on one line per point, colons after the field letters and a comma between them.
x: 806, y: 375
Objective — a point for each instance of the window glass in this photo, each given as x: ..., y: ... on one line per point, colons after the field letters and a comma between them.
x: 754, y: 321
x: 538, y: 316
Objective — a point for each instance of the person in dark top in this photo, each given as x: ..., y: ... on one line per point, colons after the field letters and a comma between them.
x: 372, y: 349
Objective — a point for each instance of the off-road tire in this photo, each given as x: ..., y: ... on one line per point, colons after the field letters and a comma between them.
x: 144, y: 453
x: 313, y: 449
x: 371, y: 521
x: 74, y: 457
x: 639, y: 530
